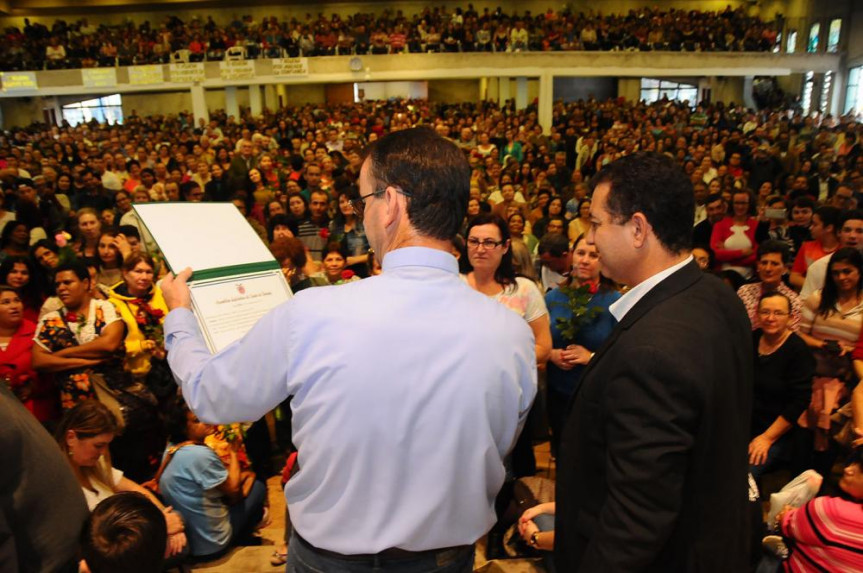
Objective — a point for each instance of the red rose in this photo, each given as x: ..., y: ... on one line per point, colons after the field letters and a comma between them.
x: 71, y: 317
x: 347, y: 275
x: 325, y: 233
x: 141, y: 319
x: 157, y: 313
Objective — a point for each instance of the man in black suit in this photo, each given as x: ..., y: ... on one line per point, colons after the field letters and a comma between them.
x: 653, y: 461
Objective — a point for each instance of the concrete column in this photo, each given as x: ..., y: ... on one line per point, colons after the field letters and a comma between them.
x: 199, y: 104
x: 256, y: 103
x: 748, y: 100
x: 546, y: 101
x: 483, y: 89
x: 282, y: 94
x: 271, y: 99
x: 520, y: 93
x: 232, y: 108
x: 503, y: 90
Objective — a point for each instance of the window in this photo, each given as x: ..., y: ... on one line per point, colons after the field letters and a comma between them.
x: 854, y: 91
x: 653, y: 90
x: 814, y: 31
x: 833, y: 35
x: 792, y: 41
x: 825, y: 93
x: 106, y: 109
x: 806, y: 97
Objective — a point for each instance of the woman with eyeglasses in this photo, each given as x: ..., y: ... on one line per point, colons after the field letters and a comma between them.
x: 830, y: 325
x: 784, y: 366
x: 490, y: 272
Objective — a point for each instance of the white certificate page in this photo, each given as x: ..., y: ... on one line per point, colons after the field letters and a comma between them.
x: 227, y: 308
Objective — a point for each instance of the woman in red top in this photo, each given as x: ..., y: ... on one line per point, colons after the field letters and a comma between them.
x: 733, y: 238
x: 16, y: 367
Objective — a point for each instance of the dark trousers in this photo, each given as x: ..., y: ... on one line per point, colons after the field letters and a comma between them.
x: 302, y: 558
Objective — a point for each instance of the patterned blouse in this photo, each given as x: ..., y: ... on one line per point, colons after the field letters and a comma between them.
x: 61, y: 329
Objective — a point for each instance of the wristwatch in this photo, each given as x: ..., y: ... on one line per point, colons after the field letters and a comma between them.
x: 534, y: 539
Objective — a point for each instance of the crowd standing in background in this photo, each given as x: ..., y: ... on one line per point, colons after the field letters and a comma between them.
x: 83, y: 44
x: 775, y: 204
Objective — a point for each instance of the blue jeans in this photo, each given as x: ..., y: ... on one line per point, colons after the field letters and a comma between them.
x: 248, y: 513
x: 779, y: 452
x: 302, y: 559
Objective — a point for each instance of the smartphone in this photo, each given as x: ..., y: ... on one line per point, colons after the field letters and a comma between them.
x: 774, y: 213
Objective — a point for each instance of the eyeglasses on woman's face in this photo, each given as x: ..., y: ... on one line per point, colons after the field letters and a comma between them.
x: 488, y: 244
x: 766, y: 313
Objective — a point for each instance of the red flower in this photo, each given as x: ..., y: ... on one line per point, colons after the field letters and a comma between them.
x: 141, y: 319
x: 325, y: 234
x: 71, y: 317
x: 156, y: 313
x: 593, y: 288
x: 347, y: 275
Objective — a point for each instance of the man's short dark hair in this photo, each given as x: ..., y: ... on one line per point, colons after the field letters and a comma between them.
x: 652, y: 184
x: 850, y: 215
x: 829, y: 216
x: 771, y: 246
x: 433, y: 170
x: 555, y: 244
x: 125, y: 532
x: 129, y: 231
x: 713, y: 198
x: 804, y: 202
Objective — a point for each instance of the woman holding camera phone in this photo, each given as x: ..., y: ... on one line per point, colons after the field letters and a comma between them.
x: 830, y: 326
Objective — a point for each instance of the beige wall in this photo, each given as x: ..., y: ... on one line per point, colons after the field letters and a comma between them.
x: 21, y: 111
x: 454, y: 91
x: 145, y: 104
x: 727, y: 89
x: 299, y: 94
x: 629, y: 88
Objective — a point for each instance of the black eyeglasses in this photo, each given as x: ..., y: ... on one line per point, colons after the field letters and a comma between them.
x: 475, y: 243
x: 359, y: 204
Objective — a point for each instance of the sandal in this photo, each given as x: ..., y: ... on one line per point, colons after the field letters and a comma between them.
x: 278, y: 559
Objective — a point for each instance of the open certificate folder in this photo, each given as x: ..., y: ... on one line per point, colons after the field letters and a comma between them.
x: 235, y: 279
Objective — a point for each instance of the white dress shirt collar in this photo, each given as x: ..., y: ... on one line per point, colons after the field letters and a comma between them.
x: 625, y: 303
x: 420, y: 256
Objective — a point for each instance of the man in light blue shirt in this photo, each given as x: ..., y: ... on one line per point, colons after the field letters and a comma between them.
x: 408, y: 388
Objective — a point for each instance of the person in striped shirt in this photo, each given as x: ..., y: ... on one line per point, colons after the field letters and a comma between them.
x: 826, y: 533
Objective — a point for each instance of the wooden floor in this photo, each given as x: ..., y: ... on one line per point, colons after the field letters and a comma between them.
x: 251, y: 559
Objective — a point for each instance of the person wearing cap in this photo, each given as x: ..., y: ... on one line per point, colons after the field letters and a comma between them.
x: 411, y: 406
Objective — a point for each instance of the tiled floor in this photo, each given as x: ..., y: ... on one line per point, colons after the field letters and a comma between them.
x: 252, y: 559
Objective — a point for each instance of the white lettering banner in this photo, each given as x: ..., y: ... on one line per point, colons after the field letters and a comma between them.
x: 291, y: 67
x: 237, y: 69
x: 187, y: 73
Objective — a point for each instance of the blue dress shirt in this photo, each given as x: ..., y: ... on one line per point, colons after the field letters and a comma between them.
x: 409, y: 389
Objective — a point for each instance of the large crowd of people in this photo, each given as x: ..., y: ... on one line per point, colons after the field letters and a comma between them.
x: 83, y: 44
x: 81, y: 313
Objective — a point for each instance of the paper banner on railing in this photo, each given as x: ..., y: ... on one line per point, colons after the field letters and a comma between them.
x: 99, y: 77
x: 237, y: 69
x: 187, y: 73
x: 291, y: 67
x: 143, y: 75
x: 13, y: 82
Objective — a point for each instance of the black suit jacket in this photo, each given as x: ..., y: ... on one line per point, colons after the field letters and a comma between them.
x: 653, y: 461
